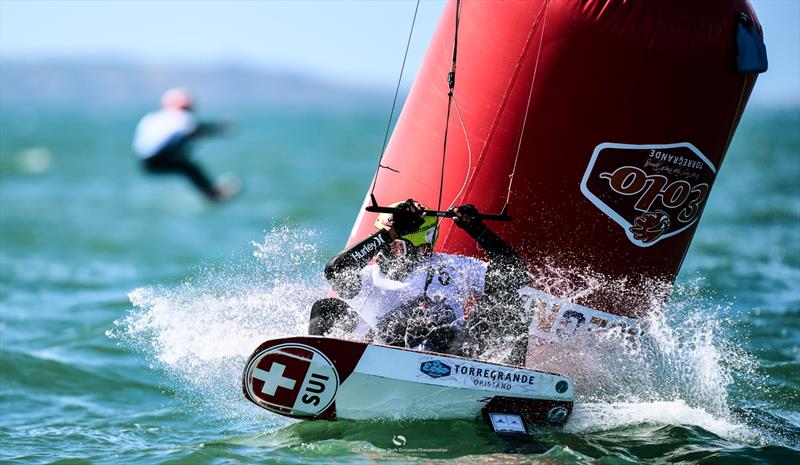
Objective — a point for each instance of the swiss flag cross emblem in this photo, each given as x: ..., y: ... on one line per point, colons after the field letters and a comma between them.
x: 278, y: 375
x: 292, y: 379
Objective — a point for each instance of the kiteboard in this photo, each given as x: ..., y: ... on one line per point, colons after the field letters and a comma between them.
x: 314, y: 378
x: 229, y: 185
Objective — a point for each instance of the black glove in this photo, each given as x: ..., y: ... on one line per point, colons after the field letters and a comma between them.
x: 409, y: 219
x: 466, y: 218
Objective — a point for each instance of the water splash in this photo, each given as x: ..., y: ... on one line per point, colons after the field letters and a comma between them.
x: 202, y: 331
x: 679, y: 371
x: 599, y: 416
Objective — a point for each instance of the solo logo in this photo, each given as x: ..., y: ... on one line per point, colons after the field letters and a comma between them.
x: 292, y: 379
x: 435, y: 369
x: 652, y: 191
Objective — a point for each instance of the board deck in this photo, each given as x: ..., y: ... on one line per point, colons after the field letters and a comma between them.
x: 323, y: 378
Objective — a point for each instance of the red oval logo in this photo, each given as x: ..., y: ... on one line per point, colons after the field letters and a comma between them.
x: 652, y: 191
x: 292, y: 379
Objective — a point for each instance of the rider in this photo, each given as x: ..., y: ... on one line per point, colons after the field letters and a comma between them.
x: 163, y: 142
x: 412, y: 297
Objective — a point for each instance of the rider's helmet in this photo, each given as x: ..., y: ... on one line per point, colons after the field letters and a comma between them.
x: 410, y: 247
x: 177, y: 98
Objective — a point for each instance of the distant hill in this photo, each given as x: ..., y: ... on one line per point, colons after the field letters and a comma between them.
x: 98, y: 83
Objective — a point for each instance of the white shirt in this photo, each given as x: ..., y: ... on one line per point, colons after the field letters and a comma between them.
x: 454, y: 278
x: 157, y: 129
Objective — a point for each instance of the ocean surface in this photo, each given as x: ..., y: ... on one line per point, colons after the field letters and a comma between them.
x: 128, y: 304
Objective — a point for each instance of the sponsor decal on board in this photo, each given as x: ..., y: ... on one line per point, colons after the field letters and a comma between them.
x: 557, y: 319
x: 435, y: 368
x: 292, y: 379
x: 492, y: 377
x: 478, y: 375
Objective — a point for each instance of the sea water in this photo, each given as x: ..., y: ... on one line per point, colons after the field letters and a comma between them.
x: 128, y: 305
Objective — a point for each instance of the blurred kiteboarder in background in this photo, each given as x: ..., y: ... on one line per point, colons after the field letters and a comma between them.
x: 163, y: 142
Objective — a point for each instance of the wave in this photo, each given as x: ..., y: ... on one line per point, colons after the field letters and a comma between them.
x: 679, y: 372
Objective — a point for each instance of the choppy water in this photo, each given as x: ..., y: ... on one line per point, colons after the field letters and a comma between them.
x: 128, y: 306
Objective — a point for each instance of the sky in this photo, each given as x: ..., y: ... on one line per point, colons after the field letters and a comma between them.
x: 358, y: 42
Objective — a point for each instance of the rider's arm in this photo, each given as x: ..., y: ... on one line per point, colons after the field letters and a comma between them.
x: 505, y: 273
x: 210, y: 128
x: 342, y: 271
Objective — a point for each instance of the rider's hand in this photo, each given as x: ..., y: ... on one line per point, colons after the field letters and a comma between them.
x: 409, y: 219
x: 465, y: 216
